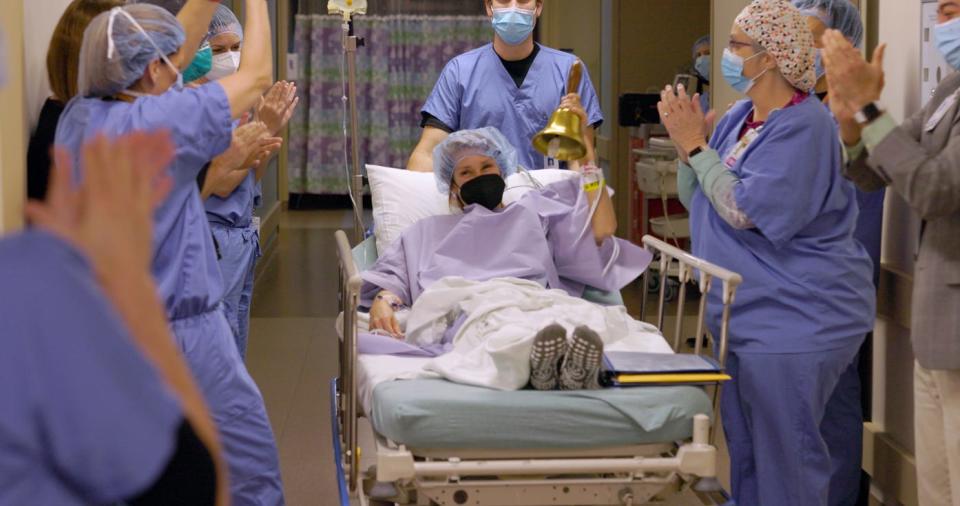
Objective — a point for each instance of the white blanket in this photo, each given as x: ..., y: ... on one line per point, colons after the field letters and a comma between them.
x: 492, y: 347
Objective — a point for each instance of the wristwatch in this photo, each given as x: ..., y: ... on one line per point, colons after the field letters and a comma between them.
x: 869, y: 113
x: 694, y: 152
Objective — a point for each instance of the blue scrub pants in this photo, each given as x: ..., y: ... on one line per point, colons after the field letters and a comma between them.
x: 239, y: 251
x: 870, y: 226
x: 236, y: 406
x: 794, y: 427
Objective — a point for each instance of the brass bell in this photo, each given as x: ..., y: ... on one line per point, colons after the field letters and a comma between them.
x: 563, y: 137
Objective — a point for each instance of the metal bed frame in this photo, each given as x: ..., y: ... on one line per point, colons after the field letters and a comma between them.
x: 611, y: 476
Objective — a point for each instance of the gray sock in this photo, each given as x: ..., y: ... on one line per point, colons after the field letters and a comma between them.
x: 581, y: 364
x: 549, y: 347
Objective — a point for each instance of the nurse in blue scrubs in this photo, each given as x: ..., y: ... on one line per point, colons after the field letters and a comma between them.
x: 842, y: 15
x: 513, y: 84
x: 231, y: 214
x: 767, y: 200
x: 130, y: 80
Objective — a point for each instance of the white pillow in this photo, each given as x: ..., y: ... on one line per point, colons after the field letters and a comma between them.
x: 402, y: 197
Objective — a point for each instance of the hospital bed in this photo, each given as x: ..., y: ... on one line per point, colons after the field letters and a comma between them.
x: 435, y: 442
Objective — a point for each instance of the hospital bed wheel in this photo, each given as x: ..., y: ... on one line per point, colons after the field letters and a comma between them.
x: 673, y: 288
x: 653, y: 285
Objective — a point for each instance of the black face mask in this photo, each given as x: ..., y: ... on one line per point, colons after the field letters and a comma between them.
x: 485, y: 190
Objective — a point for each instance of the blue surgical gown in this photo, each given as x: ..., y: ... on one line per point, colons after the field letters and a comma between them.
x: 186, y: 269
x: 807, y: 282
x: 475, y: 90
x: 231, y: 221
x: 536, y: 238
x: 86, y: 418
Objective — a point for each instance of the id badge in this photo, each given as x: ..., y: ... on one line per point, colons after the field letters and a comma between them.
x: 737, y: 152
x: 941, y: 111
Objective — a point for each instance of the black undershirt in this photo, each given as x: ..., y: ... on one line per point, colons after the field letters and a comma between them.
x: 518, y: 71
x: 189, y: 478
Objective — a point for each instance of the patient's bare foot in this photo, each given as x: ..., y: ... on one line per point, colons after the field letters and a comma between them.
x: 549, y: 346
x: 581, y: 365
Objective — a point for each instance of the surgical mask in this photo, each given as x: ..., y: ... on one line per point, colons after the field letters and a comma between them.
x: 818, y: 64
x: 224, y: 64
x: 111, y: 48
x: 732, y: 67
x: 513, y: 24
x: 947, y: 37
x: 200, y: 65
x: 702, y: 66
x: 486, y: 190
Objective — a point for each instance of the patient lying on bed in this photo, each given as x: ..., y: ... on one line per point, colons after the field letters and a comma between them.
x: 560, y: 238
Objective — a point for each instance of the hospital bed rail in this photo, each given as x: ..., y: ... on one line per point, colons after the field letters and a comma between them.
x: 350, y: 283
x: 697, y: 458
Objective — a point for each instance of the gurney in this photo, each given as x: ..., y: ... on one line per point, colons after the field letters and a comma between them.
x: 436, y: 442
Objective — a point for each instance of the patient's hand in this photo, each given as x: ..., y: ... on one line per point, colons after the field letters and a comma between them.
x: 383, y: 317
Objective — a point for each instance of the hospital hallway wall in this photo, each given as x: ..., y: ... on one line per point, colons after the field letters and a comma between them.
x: 292, y: 353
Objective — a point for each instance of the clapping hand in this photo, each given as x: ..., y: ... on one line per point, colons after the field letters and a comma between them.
x: 277, y: 106
x: 684, y: 119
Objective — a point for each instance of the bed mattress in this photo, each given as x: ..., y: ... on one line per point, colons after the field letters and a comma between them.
x: 438, y: 414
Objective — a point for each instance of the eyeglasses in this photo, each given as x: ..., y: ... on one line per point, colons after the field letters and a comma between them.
x: 734, y: 44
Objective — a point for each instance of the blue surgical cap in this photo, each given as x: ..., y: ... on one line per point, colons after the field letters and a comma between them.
x: 103, y: 72
x: 835, y: 14
x: 702, y: 41
x: 224, y: 21
x: 487, y: 141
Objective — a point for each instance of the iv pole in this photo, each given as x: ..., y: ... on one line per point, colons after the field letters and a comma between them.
x: 350, y: 44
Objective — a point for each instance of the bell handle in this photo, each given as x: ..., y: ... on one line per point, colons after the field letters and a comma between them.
x: 576, y: 74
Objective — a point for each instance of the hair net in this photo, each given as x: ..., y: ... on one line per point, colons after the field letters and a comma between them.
x: 104, y: 74
x: 487, y: 141
x: 782, y: 31
x: 172, y: 6
x: 702, y: 41
x: 224, y: 21
x: 836, y: 14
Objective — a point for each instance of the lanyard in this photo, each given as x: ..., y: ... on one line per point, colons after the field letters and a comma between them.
x: 734, y: 155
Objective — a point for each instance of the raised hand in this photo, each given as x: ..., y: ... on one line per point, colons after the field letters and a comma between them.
x: 684, y: 119
x: 277, y: 105
x: 852, y: 81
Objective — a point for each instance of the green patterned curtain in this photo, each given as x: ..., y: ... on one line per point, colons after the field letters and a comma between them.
x: 397, y: 69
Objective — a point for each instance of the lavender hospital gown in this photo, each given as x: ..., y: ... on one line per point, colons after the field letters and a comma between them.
x: 541, y: 238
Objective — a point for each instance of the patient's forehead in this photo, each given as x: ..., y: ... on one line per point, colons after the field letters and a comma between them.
x: 473, y: 162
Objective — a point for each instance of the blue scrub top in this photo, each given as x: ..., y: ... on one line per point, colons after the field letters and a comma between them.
x: 237, y: 209
x: 475, y: 90
x: 185, y: 261
x: 806, y: 281
x: 86, y: 419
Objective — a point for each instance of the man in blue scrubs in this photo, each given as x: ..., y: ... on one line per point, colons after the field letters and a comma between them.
x: 513, y: 84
